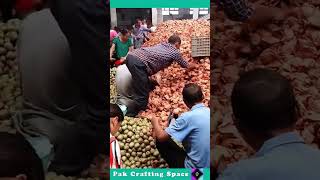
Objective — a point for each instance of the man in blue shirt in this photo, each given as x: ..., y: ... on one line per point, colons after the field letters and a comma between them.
x: 265, y: 112
x: 191, y: 128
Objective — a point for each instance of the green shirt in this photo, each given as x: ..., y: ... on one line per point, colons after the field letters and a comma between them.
x: 122, y: 48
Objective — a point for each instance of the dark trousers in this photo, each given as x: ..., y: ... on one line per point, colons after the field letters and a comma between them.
x: 85, y: 25
x: 172, y: 153
x: 141, y: 82
x: 6, y: 7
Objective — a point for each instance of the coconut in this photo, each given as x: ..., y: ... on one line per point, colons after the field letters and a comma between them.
x: 131, y: 144
x: 136, y: 144
x: 124, y: 158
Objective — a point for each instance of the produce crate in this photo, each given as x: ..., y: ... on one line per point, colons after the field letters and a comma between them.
x: 200, y: 46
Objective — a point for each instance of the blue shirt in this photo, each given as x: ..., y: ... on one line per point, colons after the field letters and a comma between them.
x: 285, y: 157
x: 193, y: 130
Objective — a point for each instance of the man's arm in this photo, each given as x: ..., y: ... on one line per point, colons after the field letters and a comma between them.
x: 125, y: 57
x: 146, y: 29
x: 184, y: 64
x: 178, y: 130
x: 264, y: 14
x: 179, y: 59
x: 161, y: 135
x: 112, y: 49
x: 236, y: 10
x: 130, y: 48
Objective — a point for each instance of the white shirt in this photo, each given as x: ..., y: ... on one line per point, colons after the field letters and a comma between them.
x: 115, y: 149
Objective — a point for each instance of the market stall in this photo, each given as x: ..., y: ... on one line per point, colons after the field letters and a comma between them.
x: 165, y: 97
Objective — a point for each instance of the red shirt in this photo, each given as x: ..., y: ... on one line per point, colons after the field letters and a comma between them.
x: 115, y: 155
x: 23, y: 6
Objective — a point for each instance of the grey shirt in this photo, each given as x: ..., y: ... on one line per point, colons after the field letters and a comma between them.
x: 44, y: 58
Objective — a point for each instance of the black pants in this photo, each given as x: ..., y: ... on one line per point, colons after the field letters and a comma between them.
x: 172, y: 153
x: 85, y: 25
x: 141, y: 82
x: 6, y: 9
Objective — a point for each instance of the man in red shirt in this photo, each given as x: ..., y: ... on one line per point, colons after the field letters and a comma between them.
x: 116, y: 117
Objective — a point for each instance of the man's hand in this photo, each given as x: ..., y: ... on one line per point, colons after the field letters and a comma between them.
x: 191, y: 67
x: 122, y: 59
x: 153, y: 119
x: 263, y: 15
x: 158, y: 78
x: 153, y: 84
x: 284, y: 13
x: 159, y: 133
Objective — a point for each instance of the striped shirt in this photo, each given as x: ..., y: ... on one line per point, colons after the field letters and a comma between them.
x: 236, y: 10
x: 159, y: 57
x: 115, y: 155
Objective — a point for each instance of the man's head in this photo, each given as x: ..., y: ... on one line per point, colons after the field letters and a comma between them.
x: 18, y: 159
x: 116, y: 117
x: 124, y: 34
x: 175, y: 40
x: 192, y: 95
x: 138, y: 22
x: 263, y: 102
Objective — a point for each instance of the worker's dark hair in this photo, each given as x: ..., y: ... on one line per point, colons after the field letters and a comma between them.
x: 17, y: 156
x: 116, y: 29
x: 129, y: 28
x: 124, y: 31
x: 115, y: 111
x: 263, y: 100
x: 174, y: 39
x: 138, y: 19
x: 192, y: 94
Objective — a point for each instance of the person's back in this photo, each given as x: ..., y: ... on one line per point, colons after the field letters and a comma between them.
x: 160, y: 56
x: 265, y: 113
x: 44, y: 61
x: 154, y: 52
x: 293, y: 160
x: 193, y: 129
x: 199, y: 121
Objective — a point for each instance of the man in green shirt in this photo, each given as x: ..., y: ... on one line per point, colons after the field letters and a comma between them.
x: 121, y: 45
